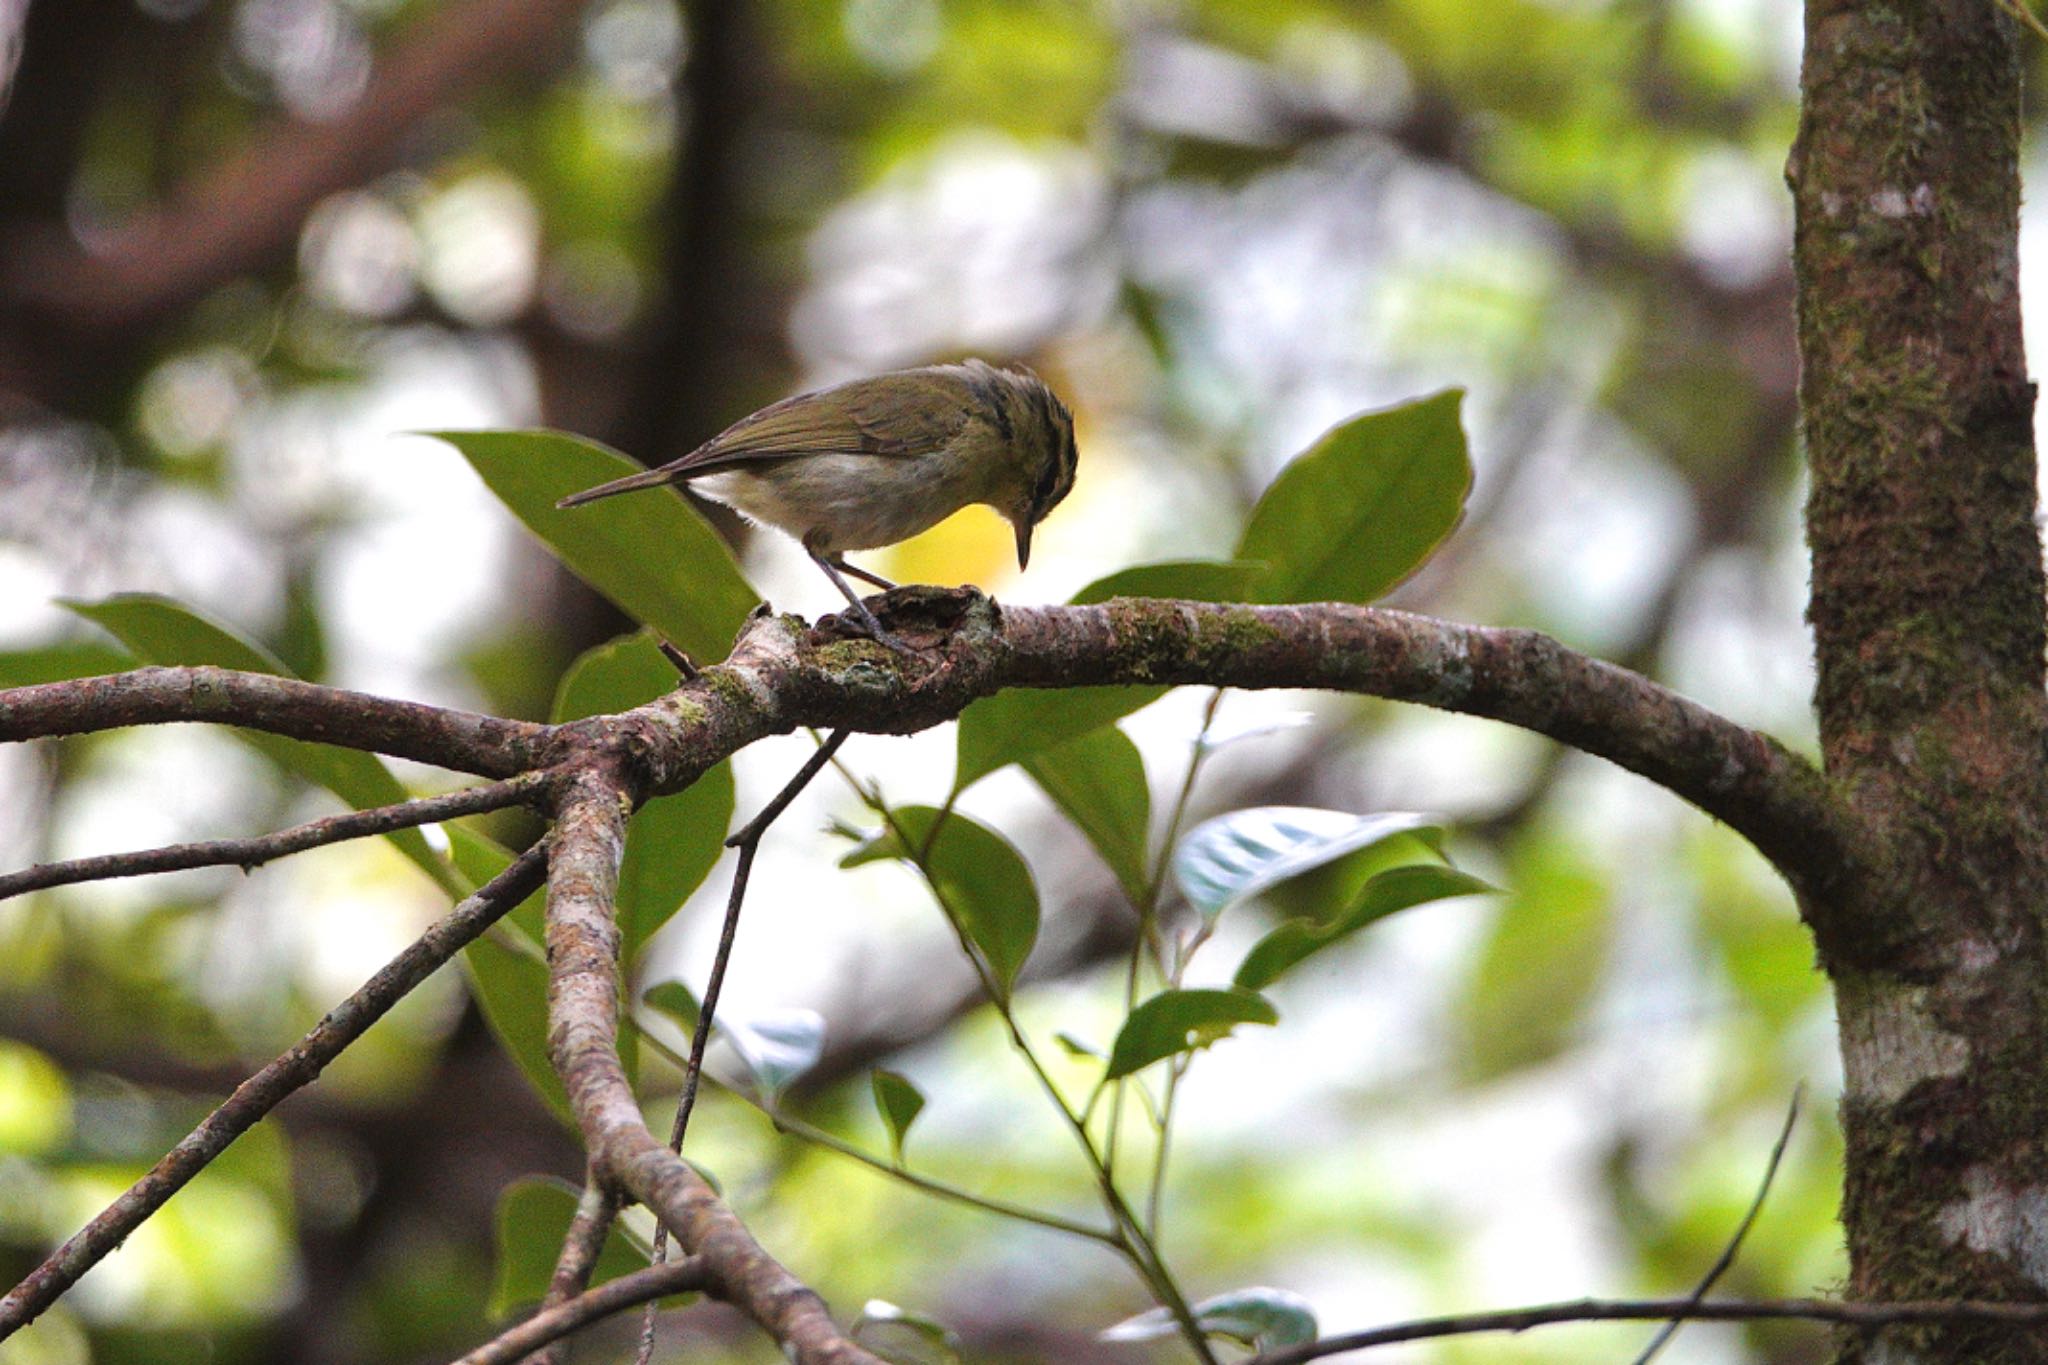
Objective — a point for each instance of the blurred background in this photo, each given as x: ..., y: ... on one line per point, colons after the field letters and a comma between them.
x: 246, y: 246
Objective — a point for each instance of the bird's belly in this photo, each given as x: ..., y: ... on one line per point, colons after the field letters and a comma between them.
x: 835, y: 503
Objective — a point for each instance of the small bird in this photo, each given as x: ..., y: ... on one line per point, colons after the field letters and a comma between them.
x: 873, y: 461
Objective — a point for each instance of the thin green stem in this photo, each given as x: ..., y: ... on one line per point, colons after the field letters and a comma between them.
x: 802, y: 1131
x: 1131, y: 1236
x: 1155, y: 1196
x: 1148, y: 909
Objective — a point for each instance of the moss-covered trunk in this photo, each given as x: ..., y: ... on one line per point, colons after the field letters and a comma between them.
x: 1928, y: 619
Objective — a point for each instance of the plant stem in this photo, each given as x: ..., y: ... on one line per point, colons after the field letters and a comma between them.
x: 804, y: 1132
x: 1130, y: 1236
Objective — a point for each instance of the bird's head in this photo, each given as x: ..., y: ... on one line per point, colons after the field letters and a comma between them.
x: 1036, y: 432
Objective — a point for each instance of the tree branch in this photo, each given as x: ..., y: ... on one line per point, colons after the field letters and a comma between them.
x: 583, y: 1024
x: 787, y: 676
x: 265, y: 1090
x: 614, y: 1296
x: 254, y: 852
x: 582, y: 1244
x: 1862, y: 1315
x: 280, y: 706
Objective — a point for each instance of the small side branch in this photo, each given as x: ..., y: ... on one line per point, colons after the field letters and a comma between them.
x: 280, y: 706
x: 614, y: 1296
x: 1735, y: 1240
x: 254, y: 852
x: 1869, y: 1316
x: 582, y: 1244
x: 265, y: 1090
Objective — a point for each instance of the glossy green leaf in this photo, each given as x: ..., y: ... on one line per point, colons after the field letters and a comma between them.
x: 978, y: 877
x: 649, y: 551
x: 534, y: 1213
x: 672, y: 842
x: 1261, y: 1318
x: 1195, y: 580
x: 61, y: 663
x: 1236, y: 856
x: 160, y: 631
x: 1098, y: 781
x: 1363, y: 507
x: 1396, y: 889
x: 1177, y: 1021
x: 1012, y: 726
x: 899, y: 1102
x: 677, y: 1001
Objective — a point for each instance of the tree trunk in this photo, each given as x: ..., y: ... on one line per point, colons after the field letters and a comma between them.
x: 1927, y: 610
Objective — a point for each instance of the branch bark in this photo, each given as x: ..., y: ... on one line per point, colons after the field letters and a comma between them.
x: 258, y: 850
x: 1927, y: 610
x: 279, y: 706
x: 583, y: 1027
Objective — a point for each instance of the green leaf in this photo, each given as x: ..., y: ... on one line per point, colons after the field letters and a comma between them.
x: 1177, y: 1021
x: 1396, y: 889
x: 160, y: 631
x: 677, y: 1001
x: 1195, y: 580
x: 977, y: 875
x: 1363, y: 507
x: 1236, y: 856
x: 1261, y: 1318
x: 1012, y: 726
x: 533, y: 1215
x: 508, y: 971
x: 1098, y: 781
x: 672, y: 842
x: 649, y: 552
x: 61, y: 663
x: 899, y: 1102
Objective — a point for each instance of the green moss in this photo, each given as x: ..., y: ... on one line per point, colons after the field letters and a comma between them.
x: 1234, y: 630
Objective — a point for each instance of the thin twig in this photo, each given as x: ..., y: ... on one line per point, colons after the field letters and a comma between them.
x: 940, y: 1189
x: 748, y: 841
x: 1728, y: 1252
x: 254, y: 852
x: 265, y: 1090
x: 582, y: 1244
x: 1868, y: 1316
x: 614, y: 1296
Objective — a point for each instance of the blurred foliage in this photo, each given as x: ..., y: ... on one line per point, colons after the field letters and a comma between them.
x: 1218, y: 227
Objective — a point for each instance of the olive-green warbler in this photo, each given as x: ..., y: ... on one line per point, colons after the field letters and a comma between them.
x: 874, y: 461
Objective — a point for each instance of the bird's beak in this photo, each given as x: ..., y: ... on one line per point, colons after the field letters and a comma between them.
x: 1023, y: 544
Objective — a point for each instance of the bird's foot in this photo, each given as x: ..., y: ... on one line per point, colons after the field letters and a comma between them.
x: 877, y: 632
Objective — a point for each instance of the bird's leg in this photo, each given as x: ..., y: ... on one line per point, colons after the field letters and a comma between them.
x: 860, y: 608
x: 839, y: 563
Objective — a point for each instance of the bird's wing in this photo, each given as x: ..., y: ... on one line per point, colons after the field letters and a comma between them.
x: 864, y: 417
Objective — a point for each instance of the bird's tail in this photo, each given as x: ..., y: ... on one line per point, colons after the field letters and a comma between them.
x: 646, y: 478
